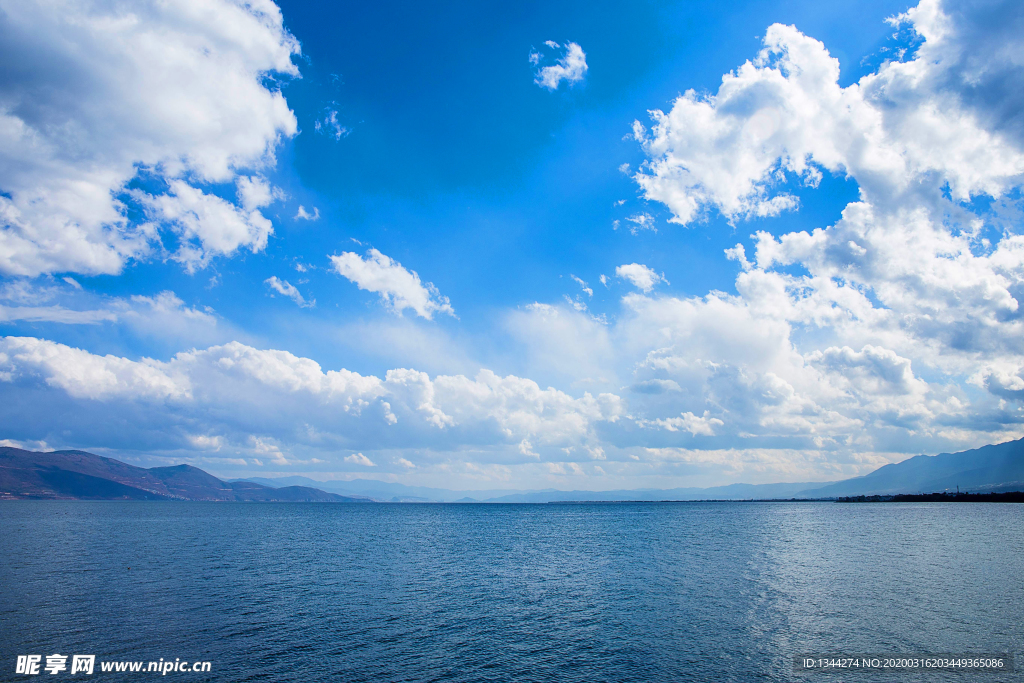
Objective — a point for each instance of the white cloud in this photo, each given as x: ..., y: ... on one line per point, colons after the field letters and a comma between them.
x: 28, y: 446
x: 399, y: 288
x: 929, y: 120
x: 255, y: 192
x: 578, y: 304
x: 328, y: 125
x: 163, y: 315
x: 247, y: 400
x: 24, y: 291
x: 359, y: 459
x: 167, y: 318
x: 895, y: 330
x: 788, y: 464
x: 208, y: 225
x: 641, y: 221
x: 287, y: 289
x: 737, y: 357
x: 269, y: 448
x: 656, y: 386
x: 744, y: 372
x: 55, y: 314
x: 565, y: 469
x: 73, y: 282
x: 169, y: 93
x: 902, y: 328
x: 583, y: 285
x: 642, y: 277
x: 303, y: 215
x: 84, y: 375
x: 689, y: 422
x: 570, y: 67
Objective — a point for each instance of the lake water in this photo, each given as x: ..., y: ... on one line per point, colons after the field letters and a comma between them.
x: 574, y: 592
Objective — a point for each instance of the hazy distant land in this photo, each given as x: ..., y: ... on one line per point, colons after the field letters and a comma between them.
x: 80, y: 475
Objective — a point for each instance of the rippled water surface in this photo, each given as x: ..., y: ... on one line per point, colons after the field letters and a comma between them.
x: 574, y: 592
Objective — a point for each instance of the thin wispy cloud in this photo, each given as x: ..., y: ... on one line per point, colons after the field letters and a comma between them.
x: 328, y: 125
x: 641, y: 221
x: 583, y: 285
x: 303, y: 215
x: 287, y: 289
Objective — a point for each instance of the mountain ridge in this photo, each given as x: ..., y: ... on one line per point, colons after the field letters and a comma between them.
x: 78, y: 475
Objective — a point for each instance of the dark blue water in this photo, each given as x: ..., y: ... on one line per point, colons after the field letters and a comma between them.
x: 576, y: 592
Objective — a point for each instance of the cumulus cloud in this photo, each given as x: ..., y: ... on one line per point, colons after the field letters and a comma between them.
x: 255, y: 192
x: 784, y: 115
x: 571, y: 67
x: 749, y: 371
x: 526, y: 448
x: 641, y: 277
x: 359, y: 459
x: 208, y: 225
x: 689, y: 422
x: 234, y: 395
x: 287, y: 289
x: 178, y: 97
x: 739, y: 357
x: 896, y: 327
x: 895, y: 330
x: 399, y: 288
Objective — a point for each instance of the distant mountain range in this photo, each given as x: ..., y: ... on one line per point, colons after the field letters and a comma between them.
x: 983, y: 470
x: 385, y: 491
x: 988, y: 469
x: 400, y: 493
x: 81, y: 475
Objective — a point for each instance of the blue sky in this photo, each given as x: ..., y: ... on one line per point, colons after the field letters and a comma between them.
x: 153, y: 238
